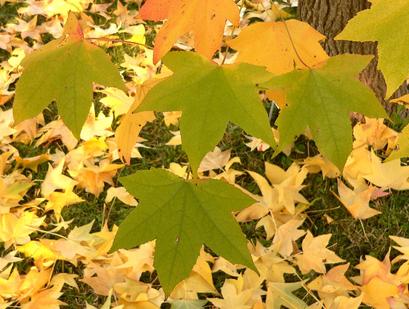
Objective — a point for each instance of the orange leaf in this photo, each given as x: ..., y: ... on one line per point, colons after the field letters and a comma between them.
x: 156, y: 10
x: 205, y: 18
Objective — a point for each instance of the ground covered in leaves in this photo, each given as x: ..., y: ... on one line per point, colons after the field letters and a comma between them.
x: 318, y: 237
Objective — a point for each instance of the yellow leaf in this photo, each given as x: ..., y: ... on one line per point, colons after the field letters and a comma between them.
x: 55, y: 180
x: 267, y: 199
x: 92, y: 178
x: 280, y: 46
x: 97, y: 125
x: 315, y: 255
x: 388, y: 175
x: 287, y: 185
x: 221, y: 264
x: 257, y: 144
x: 12, y: 190
x: 4, y: 161
x: 138, y: 295
x: 373, y: 268
x: 40, y: 253
x: 345, y: 302
x: 229, y: 174
x: 138, y: 33
x: 6, y: 130
x: 136, y: 261
x: 132, y: 123
x: 56, y: 201
x: 363, y: 165
x: 57, y: 130
x: 320, y: 164
x: 33, y: 162
x: 122, y: 195
x: 16, y: 229
x: 286, y: 235
x: 240, y: 293
x: 10, y: 282
x: 87, y: 151
x: 376, y: 293
x: 60, y: 279
x: 199, y: 281
x: 31, y: 283
x: 117, y: 100
x: 403, y: 100
x: 172, y: 118
x: 63, y: 7
x: 281, y: 295
x: 266, y: 11
x: 270, y: 265
x: 357, y: 201
x: 332, y: 285
x: 176, y: 139
x: 45, y: 299
x: 278, y: 97
x: 8, y: 259
x: 81, y: 244
x: 103, y: 239
x: 374, y: 133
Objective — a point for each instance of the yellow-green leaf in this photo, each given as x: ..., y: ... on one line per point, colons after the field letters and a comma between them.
x: 64, y: 71
x: 387, y: 23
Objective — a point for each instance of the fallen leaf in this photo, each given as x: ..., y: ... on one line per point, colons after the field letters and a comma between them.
x: 357, y: 201
x: 281, y: 294
x: 55, y: 180
x: 286, y: 235
x: 214, y: 160
x: 318, y: 164
x: 315, y: 255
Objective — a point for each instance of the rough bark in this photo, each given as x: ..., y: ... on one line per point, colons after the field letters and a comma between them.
x: 330, y: 17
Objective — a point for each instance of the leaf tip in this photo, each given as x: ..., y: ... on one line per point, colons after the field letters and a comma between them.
x: 73, y: 27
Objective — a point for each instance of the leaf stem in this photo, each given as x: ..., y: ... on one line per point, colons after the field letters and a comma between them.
x: 292, y: 41
x: 188, y: 171
x: 118, y: 41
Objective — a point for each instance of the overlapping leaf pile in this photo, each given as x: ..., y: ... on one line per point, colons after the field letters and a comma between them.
x: 50, y: 163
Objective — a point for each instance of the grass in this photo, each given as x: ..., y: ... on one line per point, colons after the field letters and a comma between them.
x: 353, y: 239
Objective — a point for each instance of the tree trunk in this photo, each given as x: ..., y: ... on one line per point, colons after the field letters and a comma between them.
x: 330, y: 17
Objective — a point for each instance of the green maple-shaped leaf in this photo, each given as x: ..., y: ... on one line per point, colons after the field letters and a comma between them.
x: 322, y: 99
x: 210, y: 96
x: 181, y: 216
x: 387, y: 23
x: 64, y: 71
